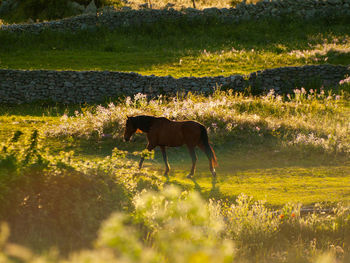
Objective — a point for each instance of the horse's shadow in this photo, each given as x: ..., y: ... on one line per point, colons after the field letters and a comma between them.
x: 197, y: 187
x: 215, y: 189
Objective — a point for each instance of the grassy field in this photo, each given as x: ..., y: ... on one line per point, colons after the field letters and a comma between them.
x: 271, y: 149
x: 61, y: 183
x: 69, y: 181
x: 184, y: 49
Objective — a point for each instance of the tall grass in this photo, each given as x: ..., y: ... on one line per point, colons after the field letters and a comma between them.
x: 176, y: 226
x: 49, y: 200
x: 59, y: 200
x: 316, y: 120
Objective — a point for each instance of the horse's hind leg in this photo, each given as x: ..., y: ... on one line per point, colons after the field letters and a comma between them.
x: 212, y: 169
x: 165, y: 158
x: 194, y: 160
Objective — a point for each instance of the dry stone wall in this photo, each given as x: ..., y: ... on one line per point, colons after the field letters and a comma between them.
x: 18, y: 86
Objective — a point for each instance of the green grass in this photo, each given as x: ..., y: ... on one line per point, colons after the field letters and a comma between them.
x: 263, y: 171
x: 278, y: 178
x: 182, y: 48
x: 257, y: 157
x: 275, y: 149
x: 61, y: 199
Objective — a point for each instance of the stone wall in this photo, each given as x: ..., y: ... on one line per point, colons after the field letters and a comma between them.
x: 18, y: 86
x: 306, y: 9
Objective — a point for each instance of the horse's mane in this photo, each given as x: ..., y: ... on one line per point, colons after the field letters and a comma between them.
x: 142, y: 122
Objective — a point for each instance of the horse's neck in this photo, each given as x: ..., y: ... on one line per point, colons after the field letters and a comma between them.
x: 145, y: 123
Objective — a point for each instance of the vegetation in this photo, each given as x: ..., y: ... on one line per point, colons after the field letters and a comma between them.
x: 70, y: 190
x: 183, y: 48
x: 291, y: 151
x: 156, y: 226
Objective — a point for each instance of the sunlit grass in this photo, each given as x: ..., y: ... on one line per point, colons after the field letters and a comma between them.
x: 177, y: 4
x: 268, y: 147
x: 68, y: 176
x: 277, y: 186
x: 182, y: 48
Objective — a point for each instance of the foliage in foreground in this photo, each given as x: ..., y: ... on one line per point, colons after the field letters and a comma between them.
x: 52, y: 201
x: 176, y: 226
x: 61, y: 201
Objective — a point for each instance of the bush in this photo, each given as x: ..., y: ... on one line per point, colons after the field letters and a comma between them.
x: 52, y: 201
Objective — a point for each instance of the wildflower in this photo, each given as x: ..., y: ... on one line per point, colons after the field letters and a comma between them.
x: 347, y: 80
x: 281, y: 216
x: 292, y: 215
x: 128, y: 101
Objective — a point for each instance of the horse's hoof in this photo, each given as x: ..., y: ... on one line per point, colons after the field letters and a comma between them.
x: 214, y: 174
x: 189, y: 176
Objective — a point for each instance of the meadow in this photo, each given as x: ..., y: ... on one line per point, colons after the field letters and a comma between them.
x: 70, y: 189
x: 182, y: 48
x: 283, y: 174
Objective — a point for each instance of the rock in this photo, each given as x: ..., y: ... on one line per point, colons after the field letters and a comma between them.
x: 108, y: 9
x: 169, y: 6
x: 143, y: 6
x: 126, y: 8
x: 76, y: 7
x: 68, y: 84
x: 83, y: 26
x: 91, y: 8
x: 7, y: 6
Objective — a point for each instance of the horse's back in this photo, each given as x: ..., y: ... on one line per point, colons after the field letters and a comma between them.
x: 192, y: 132
x: 167, y: 133
x: 176, y: 133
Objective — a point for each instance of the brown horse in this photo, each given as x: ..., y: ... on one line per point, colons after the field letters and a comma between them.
x: 163, y: 132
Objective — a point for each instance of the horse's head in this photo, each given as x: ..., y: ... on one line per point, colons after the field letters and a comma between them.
x: 129, y: 129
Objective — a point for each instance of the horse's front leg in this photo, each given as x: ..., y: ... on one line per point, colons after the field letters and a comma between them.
x: 194, y: 161
x: 150, y: 148
x: 165, y: 158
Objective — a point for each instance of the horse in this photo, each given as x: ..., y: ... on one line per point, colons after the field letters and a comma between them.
x: 164, y: 133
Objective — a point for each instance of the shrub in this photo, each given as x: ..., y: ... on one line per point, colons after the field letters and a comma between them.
x: 53, y: 201
x: 251, y: 224
x: 183, y: 228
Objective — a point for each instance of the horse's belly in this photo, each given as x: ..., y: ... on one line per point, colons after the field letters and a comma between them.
x: 171, y: 139
x: 171, y: 142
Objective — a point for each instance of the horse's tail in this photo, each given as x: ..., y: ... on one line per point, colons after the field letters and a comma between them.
x: 208, y: 149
